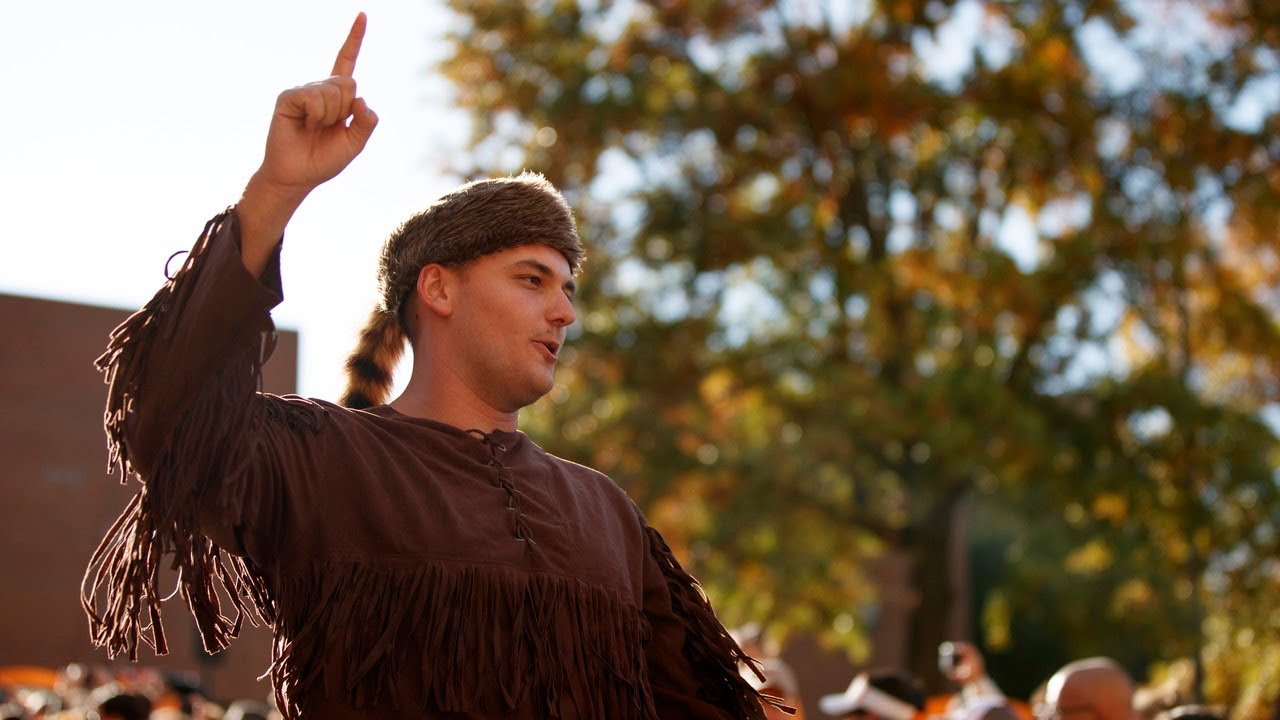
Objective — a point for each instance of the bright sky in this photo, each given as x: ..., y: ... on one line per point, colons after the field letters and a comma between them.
x: 131, y: 123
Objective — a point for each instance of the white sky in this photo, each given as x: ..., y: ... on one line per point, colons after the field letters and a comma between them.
x: 131, y: 123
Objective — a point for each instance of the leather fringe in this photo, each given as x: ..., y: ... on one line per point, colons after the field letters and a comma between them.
x: 712, y: 653
x: 120, y: 592
x: 486, y: 637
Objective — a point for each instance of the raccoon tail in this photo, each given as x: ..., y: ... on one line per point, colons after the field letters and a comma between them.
x: 370, y: 365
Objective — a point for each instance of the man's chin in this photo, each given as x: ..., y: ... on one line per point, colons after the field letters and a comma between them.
x: 533, y: 393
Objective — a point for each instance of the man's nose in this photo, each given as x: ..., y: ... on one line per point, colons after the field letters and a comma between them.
x: 562, y: 312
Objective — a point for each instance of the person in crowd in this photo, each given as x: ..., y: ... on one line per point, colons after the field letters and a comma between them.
x: 877, y: 695
x: 978, y: 697
x: 987, y: 708
x: 247, y: 710
x: 779, y: 682
x: 1096, y: 688
x: 125, y: 706
x: 962, y: 663
x: 779, y: 679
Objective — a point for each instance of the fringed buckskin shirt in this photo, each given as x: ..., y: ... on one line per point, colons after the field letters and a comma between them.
x: 409, y: 569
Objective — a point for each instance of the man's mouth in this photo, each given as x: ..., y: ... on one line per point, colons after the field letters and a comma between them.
x: 552, y: 347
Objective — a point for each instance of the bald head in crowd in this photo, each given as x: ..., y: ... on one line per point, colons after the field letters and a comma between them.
x: 1095, y: 688
x: 991, y: 711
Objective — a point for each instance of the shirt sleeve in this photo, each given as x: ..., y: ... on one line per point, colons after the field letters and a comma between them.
x: 184, y: 417
x: 693, y: 662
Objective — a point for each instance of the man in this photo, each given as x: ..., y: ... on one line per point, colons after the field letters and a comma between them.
x: 881, y: 695
x: 421, y: 558
x: 1090, y: 689
x: 963, y: 664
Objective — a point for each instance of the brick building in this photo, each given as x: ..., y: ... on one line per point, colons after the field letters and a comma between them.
x: 57, y: 500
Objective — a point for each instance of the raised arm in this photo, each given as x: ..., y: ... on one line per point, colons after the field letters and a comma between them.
x: 969, y: 671
x: 182, y: 413
x: 316, y: 131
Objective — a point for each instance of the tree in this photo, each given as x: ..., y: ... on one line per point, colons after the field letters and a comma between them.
x: 845, y: 275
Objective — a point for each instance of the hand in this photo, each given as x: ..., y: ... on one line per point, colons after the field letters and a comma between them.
x: 319, y: 128
x: 969, y: 663
x: 310, y: 141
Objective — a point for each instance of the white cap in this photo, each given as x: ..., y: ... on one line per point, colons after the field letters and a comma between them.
x: 860, y: 695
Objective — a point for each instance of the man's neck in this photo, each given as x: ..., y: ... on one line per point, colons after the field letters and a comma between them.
x: 464, y: 411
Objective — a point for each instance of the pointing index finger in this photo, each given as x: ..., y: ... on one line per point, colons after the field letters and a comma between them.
x: 345, y: 64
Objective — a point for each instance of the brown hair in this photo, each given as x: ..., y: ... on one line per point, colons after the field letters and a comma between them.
x: 477, y: 219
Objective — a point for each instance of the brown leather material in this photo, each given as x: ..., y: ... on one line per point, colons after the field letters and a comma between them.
x: 408, y: 568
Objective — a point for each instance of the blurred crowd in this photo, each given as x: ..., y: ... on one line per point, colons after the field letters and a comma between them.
x: 1088, y: 689
x: 1095, y: 688
x: 84, y: 692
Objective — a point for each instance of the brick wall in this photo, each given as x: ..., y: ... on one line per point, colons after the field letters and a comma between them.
x: 56, y: 499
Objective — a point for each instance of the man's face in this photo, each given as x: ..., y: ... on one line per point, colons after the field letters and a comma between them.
x: 512, y: 310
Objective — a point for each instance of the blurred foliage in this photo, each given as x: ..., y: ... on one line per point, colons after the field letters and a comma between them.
x: 855, y: 264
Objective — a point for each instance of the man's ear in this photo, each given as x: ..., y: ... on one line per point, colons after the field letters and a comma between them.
x: 436, y: 289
